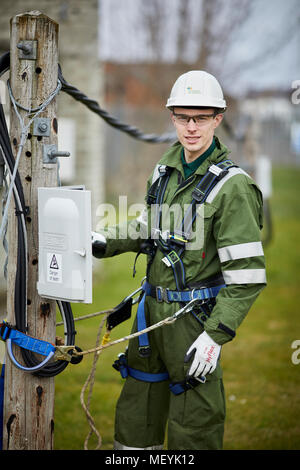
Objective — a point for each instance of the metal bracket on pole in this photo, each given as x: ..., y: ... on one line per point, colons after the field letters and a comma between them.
x: 50, y: 153
x: 27, y: 50
x: 42, y: 127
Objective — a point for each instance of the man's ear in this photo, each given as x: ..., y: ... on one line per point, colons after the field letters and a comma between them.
x: 218, y: 119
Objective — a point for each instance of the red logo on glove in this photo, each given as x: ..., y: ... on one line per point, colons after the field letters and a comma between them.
x: 210, y: 353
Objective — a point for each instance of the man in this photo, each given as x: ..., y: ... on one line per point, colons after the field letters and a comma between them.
x: 215, y: 255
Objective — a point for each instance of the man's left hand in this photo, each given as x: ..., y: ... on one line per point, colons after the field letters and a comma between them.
x: 206, y: 353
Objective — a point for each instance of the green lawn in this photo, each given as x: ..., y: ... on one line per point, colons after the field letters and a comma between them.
x: 262, y: 384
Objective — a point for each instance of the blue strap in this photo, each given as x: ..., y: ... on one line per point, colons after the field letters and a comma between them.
x: 39, y: 366
x: 201, y: 294
x: 32, y: 344
x: 176, y: 387
x: 147, y: 376
x: 141, y: 323
x: 12, y: 336
x: 180, y: 387
x: 125, y: 371
x: 204, y: 293
x: 172, y: 296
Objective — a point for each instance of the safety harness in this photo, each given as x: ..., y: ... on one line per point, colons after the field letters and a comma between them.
x: 173, y: 245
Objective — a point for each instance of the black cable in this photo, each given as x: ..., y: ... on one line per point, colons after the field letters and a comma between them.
x: 93, y: 106
x: 4, y: 63
x: 54, y: 368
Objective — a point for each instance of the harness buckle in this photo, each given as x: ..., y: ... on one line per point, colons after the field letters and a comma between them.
x: 219, y: 172
x: 165, y: 295
x: 159, y: 294
x: 162, y: 169
x: 178, y: 238
x: 64, y: 353
x: 198, y: 195
x: 222, y: 174
x: 196, y: 297
x: 162, y: 294
x: 144, y: 351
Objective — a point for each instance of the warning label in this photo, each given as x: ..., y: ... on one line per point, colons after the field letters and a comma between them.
x: 53, y: 263
x: 54, y: 267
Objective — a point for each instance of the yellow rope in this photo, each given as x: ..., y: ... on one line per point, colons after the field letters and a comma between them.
x: 105, y: 338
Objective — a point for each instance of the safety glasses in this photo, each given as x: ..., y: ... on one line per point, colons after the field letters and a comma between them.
x: 200, y: 120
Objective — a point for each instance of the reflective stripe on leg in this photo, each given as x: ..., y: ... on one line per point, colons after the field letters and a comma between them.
x: 119, y: 446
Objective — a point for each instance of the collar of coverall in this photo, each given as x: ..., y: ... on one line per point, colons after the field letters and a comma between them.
x: 172, y: 157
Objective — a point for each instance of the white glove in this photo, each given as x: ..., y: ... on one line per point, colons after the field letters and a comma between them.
x: 98, y: 245
x: 98, y: 237
x: 206, y: 353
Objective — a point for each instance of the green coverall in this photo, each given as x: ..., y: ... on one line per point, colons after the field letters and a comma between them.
x: 232, y: 246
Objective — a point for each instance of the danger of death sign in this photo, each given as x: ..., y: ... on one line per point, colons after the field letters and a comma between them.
x: 54, y: 267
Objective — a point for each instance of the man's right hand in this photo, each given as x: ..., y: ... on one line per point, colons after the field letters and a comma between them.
x: 98, y: 245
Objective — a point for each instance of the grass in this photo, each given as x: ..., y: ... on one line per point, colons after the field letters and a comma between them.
x: 261, y: 382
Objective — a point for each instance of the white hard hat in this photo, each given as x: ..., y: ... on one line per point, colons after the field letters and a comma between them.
x: 196, y: 88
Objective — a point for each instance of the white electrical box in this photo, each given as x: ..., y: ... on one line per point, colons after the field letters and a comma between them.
x: 65, y: 245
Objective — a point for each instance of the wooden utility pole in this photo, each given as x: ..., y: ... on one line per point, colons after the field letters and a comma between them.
x: 29, y: 400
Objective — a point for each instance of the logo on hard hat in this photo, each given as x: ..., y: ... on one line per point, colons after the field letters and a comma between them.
x: 193, y: 92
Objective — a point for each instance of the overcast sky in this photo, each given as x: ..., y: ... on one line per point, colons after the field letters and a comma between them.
x: 123, y: 38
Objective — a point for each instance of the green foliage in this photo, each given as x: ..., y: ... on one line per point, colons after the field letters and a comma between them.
x: 261, y: 382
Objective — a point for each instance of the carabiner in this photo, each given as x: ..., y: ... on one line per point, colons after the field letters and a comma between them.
x: 134, y: 293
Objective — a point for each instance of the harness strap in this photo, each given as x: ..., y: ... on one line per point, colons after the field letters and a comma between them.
x: 173, y: 245
x: 24, y: 341
x: 199, y: 195
x: 166, y: 295
x: 175, y: 387
x: 180, y: 387
x: 144, y: 348
x: 121, y: 365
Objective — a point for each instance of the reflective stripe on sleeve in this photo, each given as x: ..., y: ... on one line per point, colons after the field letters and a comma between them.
x: 243, y: 250
x: 245, y: 276
x: 231, y: 172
